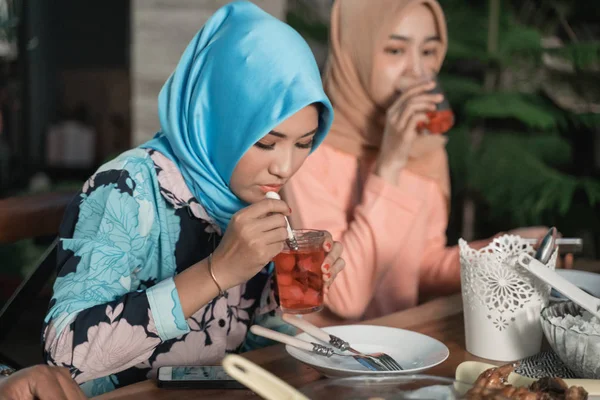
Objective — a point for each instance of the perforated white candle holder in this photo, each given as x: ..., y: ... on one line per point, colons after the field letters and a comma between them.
x: 502, y: 300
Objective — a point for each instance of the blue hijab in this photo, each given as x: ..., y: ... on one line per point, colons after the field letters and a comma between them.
x: 244, y: 73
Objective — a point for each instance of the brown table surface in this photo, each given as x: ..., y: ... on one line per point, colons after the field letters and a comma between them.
x: 441, y: 319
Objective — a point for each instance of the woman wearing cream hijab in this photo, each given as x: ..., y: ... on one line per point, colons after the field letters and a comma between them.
x: 377, y: 184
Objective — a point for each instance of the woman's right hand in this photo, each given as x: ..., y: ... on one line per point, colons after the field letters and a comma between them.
x: 255, y: 235
x: 402, y: 118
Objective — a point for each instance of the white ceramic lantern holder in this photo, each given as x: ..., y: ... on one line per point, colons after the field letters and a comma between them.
x: 502, y: 300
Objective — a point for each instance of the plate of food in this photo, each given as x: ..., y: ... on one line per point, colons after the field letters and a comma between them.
x: 511, y: 385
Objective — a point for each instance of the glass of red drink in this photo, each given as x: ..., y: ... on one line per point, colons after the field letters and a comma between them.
x: 298, y: 273
x: 440, y: 120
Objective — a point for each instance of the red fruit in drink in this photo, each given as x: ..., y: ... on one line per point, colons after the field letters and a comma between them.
x: 315, y: 281
x: 284, y: 262
x: 439, y: 123
x: 293, y: 305
x: 300, y: 278
x: 312, y: 298
x: 317, y: 259
x: 284, y: 279
x: 292, y: 292
x: 305, y: 262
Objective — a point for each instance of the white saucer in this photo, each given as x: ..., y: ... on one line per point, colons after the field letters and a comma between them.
x: 413, y: 351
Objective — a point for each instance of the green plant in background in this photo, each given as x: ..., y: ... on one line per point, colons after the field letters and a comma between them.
x: 521, y: 95
x: 305, y: 19
x: 522, y: 98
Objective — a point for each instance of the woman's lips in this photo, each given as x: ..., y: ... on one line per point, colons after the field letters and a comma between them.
x: 270, y: 188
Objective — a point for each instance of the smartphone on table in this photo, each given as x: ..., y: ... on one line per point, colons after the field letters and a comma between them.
x: 196, y: 377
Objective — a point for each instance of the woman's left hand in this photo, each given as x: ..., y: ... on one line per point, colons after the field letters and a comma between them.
x: 530, y: 232
x: 333, y: 262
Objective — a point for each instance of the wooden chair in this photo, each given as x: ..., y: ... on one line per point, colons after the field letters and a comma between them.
x: 27, y: 217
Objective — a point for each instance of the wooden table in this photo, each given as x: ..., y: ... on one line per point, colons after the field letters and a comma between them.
x: 441, y: 318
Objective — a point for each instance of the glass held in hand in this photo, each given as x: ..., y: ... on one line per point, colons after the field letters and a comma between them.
x: 298, y: 273
x: 440, y: 120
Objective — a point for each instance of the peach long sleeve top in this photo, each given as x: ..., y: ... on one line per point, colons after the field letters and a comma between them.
x: 394, y: 236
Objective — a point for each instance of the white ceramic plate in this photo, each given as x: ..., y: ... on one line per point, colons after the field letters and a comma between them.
x: 588, y: 281
x: 413, y: 351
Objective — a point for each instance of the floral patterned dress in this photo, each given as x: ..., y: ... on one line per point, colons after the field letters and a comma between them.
x: 115, y: 315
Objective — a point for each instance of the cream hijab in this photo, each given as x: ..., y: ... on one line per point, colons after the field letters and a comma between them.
x: 359, y: 123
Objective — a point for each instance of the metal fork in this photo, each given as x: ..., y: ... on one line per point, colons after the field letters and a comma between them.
x: 368, y: 361
x: 388, y: 362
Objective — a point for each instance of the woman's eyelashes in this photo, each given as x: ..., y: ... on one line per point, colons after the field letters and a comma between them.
x: 306, y: 144
x: 270, y: 146
x: 394, y: 51
x: 398, y: 51
x: 265, y: 146
x: 432, y: 52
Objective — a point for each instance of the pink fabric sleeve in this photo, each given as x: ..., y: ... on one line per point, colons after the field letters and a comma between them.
x: 321, y: 197
x: 440, y: 267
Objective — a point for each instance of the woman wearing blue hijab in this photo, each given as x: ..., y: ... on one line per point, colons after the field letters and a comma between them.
x: 164, y: 256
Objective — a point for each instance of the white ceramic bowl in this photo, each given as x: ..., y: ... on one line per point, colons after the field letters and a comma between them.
x: 579, y: 351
